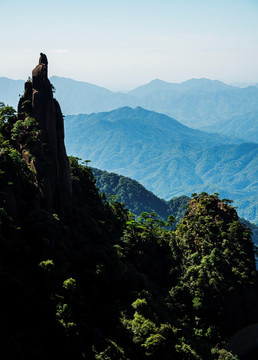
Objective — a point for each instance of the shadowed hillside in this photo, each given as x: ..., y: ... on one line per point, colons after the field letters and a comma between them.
x: 136, y: 198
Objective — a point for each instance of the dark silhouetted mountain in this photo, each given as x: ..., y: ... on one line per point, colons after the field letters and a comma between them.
x: 165, y: 156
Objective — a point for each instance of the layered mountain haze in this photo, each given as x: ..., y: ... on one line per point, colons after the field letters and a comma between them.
x: 165, y: 156
x: 10, y: 90
x: 243, y: 126
x: 198, y: 103
x: 195, y: 103
x: 168, y: 158
x: 82, y: 97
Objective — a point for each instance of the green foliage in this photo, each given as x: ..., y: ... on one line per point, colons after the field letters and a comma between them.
x: 14, y: 174
x: 98, y: 282
x: 217, y: 261
x: 69, y: 284
x: 7, y: 119
x: 171, y: 221
x: 226, y: 355
x: 46, y: 265
x: 156, y: 341
x: 139, y: 304
x: 64, y: 317
x: 140, y: 327
x: 26, y: 132
x: 136, y: 198
x: 112, y: 352
x: 6, y: 113
x: 186, y: 351
x: 79, y: 172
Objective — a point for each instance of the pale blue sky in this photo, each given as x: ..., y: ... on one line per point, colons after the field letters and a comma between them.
x: 121, y: 44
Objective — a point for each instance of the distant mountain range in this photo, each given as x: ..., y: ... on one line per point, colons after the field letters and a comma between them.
x: 241, y: 126
x: 198, y: 103
x: 165, y: 156
x: 10, y: 90
x: 195, y: 103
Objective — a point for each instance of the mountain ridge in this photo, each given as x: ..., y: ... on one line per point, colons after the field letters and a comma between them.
x: 136, y: 197
x: 197, y: 103
x: 163, y: 157
x: 190, y: 84
x: 129, y: 113
x: 242, y: 125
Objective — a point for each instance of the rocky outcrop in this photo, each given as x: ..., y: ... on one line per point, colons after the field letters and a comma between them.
x: 49, y: 159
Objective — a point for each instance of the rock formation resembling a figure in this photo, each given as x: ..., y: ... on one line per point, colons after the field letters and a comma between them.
x: 50, y: 161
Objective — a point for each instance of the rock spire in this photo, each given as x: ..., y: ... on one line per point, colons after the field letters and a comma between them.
x: 50, y: 161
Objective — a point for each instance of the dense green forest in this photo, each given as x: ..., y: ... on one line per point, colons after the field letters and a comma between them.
x: 92, y: 282
x: 83, y: 278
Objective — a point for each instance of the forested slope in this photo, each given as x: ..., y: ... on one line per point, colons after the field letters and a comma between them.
x: 136, y: 198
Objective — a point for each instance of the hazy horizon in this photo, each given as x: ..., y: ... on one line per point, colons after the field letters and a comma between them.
x: 125, y: 90
x: 121, y: 45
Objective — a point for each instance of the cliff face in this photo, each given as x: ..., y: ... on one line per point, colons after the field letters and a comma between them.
x: 49, y: 159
